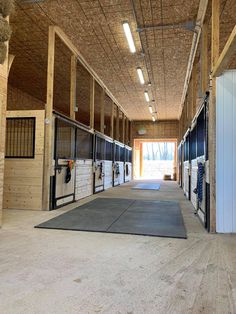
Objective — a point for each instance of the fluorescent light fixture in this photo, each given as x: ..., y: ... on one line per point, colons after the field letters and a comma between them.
x: 153, y: 119
x: 140, y: 75
x: 146, y: 96
x: 150, y: 108
x: 129, y: 37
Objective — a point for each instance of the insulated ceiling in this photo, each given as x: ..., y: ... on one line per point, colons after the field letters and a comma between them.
x: 95, y: 27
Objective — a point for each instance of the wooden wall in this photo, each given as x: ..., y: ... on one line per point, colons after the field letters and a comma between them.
x: 23, y: 178
x: 155, y: 130
x: 19, y: 100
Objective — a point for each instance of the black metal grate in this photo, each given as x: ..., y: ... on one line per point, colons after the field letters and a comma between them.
x: 100, y: 148
x: 109, y: 149
x: 20, y: 137
x: 64, y: 140
x: 84, y: 144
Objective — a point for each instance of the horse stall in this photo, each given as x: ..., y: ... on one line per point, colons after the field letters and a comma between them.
x: 108, y: 167
x: 72, y: 162
x: 128, y: 164
x: 99, y: 163
x: 193, y: 164
x: 118, y: 163
x: 186, y: 166
x: 180, y: 164
x: 23, y: 175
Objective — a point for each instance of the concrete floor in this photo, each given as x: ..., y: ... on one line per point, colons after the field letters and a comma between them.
x: 54, y: 271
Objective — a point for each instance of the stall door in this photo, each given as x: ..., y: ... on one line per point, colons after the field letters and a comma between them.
x: 99, y: 164
x: 64, y: 150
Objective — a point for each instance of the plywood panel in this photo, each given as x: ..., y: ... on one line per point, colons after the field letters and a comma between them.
x: 23, y: 178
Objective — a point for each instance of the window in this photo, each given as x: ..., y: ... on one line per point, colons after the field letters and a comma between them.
x: 65, y: 140
x: 20, y: 138
x: 193, y: 144
x: 100, y: 148
x: 117, y: 152
x: 109, y: 148
x: 122, y: 154
x: 84, y: 144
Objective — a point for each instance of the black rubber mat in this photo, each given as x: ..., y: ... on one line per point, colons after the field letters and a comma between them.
x: 147, y: 186
x: 115, y: 215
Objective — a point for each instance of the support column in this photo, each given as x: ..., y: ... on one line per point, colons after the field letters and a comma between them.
x: 48, y: 120
x: 112, y: 121
x: 73, y: 87
x: 123, y: 128
x: 3, y: 108
x: 117, y: 123
x: 141, y: 158
x: 102, y: 100
x: 92, y: 92
x: 204, y: 59
x: 215, y: 38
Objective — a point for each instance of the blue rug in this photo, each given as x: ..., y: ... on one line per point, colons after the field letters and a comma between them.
x: 147, y: 186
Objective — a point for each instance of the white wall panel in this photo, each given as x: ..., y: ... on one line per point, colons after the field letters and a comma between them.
x: 226, y: 153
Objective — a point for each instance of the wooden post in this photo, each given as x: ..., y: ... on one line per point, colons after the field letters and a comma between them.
x: 127, y: 131
x: 3, y: 108
x: 204, y: 59
x: 102, y: 100
x: 123, y: 128
x: 215, y: 38
x: 117, y: 123
x: 92, y: 86
x: 48, y: 120
x: 194, y: 89
x: 141, y: 159
x: 112, y: 121
x: 73, y: 86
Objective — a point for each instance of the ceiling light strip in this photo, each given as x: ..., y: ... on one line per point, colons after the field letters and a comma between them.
x: 129, y: 37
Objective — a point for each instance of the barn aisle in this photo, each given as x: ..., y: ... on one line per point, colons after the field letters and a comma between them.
x: 55, y: 271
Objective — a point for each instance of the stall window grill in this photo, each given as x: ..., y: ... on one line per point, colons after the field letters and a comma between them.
x: 117, y: 152
x: 127, y: 155
x: 65, y: 140
x: 84, y: 144
x: 109, y: 148
x: 122, y: 154
x: 193, y: 144
x: 201, y: 134
x: 100, y: 148
x: 20, y: 138
x: 186, y: 149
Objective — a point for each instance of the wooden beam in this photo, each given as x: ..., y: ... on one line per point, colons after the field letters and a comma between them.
x: 117, y: 123
x: 10, y: 61
x: 102, y: 117
x: 215, y: 41
x: 215, y: 35
x: 123, y: 128
x: 141, y: 159
x: 112, y: 120
x: 3, y: 108
x: 65, y: 39
x: 73, y: 86
x: 48, y: 120
x: 92, y: 93
x: 126, y: 131
x: 204, y: 59
x: 226, y: 56
x: 194, y: 91
x: 196, y: 37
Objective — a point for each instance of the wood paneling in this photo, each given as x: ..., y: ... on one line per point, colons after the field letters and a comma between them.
x: 23, y: 178
x: 155, y: 130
